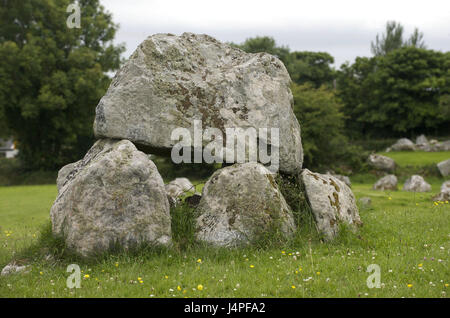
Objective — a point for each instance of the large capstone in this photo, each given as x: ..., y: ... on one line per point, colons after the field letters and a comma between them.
x: 332, y: 202
x: 113, y: 197
x: 170, y: 81
x: 240, y: 204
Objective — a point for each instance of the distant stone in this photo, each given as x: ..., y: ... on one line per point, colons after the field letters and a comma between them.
x: 381, y: 162
x: 421, y: 140
x: 344, y: 179
x: 416, y: 184
x: 179, y: 187
x: 444, y: 195
x: 444, y: 167
x: 365, y: 201
x: 403, y: 144
x: 388, y: 182
x: 170, y: 81
x: 239, y: 204
x: 113, y: 197
x: 332, y: 202
x: 13, y: 268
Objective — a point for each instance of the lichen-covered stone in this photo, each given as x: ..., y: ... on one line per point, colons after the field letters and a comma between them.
x: 331, y: 200
x: 444, y: 195
x: 239, y: 203
x: 178, y: 187
x: 444, y: 167
x: 113, y: 197
x: 416, y: 184
x: 403, y: 144
x: 388, y: 182
x: 170, y: 81
x: 381, y: 162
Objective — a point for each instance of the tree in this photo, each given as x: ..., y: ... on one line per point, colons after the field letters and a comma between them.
x: 325, y: 146
x: 400, y: 94
x: 311, y: 67
x: 392, y: 39
x: 416, y: 39
x: 52, y: 76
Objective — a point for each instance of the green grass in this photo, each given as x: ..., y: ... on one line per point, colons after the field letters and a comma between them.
x: 417, y: 158
x: 401, y: 230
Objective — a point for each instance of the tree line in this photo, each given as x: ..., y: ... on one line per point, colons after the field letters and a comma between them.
x: 52, y: 77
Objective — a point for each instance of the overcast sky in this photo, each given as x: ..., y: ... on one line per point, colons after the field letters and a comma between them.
x: 342, y: 28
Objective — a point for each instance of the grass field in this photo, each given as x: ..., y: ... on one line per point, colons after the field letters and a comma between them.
x: 404, y: 233
x: 417, y: 158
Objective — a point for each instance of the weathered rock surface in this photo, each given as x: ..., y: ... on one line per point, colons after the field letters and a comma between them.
x: 388, y: 182
x: 416, y: 184
x: 170, y: 81
x: 239, y: 203
x: 331, y: 202
x: 381, y: 162
x: 444, y: 167
x: 13, y: 268
x: 444, y: 195
x: 403, y: 144
x: 113, y: 197
x: 344, y: 179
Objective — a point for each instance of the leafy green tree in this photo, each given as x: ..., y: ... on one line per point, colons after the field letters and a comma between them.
x: 311, y: 67
x: 303, y: 67
x: 400, y: 94
x: 325, y: 146
x: 392, y: 39
x: 52, y: 76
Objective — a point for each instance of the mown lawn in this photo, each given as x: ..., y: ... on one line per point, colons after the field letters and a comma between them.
x: 404, y: 233
x: 417, y: 158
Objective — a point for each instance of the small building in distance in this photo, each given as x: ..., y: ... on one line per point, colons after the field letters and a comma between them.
x: 8, y: 148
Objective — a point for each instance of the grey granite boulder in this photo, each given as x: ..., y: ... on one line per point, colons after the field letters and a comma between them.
x: 403, y: 144
x: 113, y: 197
x: 332, y: 202
x: 177, y: 188
x: 388, y: 182
x: 416, y: 184
x: 13, y: 268
x: 170, y: 81
x: 444, y: 195
x: 343, y: 178
x: 240, y: 203
x: 444, y: 167
x: 381, y: 162
x: 421, y: 140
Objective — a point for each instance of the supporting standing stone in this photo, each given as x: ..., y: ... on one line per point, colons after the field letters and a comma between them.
x: 113, y: 197
x: 239, y: 204
x: 332, y: 201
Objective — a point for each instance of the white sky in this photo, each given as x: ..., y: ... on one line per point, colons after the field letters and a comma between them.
x: 342, y: 28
